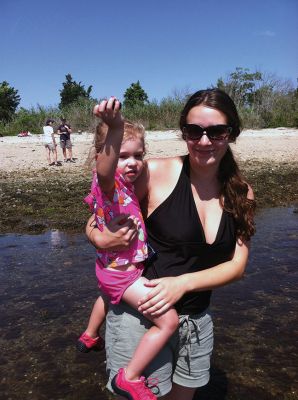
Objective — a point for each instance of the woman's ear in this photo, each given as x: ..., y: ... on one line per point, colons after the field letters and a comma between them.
x: 96, y: 156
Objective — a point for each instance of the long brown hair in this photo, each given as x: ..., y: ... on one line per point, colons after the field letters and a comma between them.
x: 233, y: 188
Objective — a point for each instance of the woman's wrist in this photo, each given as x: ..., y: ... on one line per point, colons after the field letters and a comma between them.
x: 186, y: 282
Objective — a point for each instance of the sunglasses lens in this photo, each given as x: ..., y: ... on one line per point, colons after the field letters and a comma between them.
x: 193, y: 132
x: 218, y: 132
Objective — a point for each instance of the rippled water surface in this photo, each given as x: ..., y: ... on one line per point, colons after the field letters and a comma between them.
x: 47, y: 286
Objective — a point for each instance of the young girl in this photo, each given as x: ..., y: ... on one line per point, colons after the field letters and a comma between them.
x: 119, y: 162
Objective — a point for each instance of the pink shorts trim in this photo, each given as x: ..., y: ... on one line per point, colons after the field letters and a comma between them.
x: 113, y: 283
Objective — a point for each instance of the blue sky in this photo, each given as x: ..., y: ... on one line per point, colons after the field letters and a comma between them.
x: 168, y: 45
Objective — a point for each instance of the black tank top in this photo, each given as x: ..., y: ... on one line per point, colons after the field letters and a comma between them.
x: 176, y: 234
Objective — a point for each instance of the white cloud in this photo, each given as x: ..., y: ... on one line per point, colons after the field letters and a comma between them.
x: 266, y: 33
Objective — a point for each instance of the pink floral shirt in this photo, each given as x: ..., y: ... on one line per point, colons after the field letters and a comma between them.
x: 124, y: 201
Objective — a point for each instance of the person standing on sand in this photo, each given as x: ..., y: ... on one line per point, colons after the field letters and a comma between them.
x: 50, y: 143
x: 64, y: 130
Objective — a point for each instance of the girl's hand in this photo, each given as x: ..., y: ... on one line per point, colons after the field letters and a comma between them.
x: 165, y: 293
x: 117, y: 235
x: 122, y: 230
x: 109, y: 112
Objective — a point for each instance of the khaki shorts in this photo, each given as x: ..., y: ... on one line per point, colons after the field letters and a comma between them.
x: 65, y: 144
x: 185, y: 360
x: 50, y: 146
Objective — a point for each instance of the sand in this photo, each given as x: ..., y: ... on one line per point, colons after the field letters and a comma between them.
x: 269, y: 145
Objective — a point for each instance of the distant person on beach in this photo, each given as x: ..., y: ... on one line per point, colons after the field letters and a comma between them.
x: 199, y: 217
x: 64, y: 130
x: 50, y: 143
x: 120, y: 148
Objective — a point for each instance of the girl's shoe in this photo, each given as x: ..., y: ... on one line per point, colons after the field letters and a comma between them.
x: 86, y: 343
x: 132, y: 390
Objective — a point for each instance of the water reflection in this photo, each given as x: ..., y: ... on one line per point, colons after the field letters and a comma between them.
x: 47, y: 286
x: 56, y: 238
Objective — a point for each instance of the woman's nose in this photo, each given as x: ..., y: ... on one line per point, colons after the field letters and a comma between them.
x: 205, y: 139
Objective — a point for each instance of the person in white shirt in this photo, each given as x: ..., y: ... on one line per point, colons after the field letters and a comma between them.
x: 50, y: 143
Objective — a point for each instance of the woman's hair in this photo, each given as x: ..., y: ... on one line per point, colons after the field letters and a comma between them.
x: 233, y: 188
x: 132, y: 130
x: 219, y: 100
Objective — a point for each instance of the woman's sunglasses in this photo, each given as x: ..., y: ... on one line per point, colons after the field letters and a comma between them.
x: 214, y: 132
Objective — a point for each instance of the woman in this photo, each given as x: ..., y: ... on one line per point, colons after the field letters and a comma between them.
x: 199, y: 219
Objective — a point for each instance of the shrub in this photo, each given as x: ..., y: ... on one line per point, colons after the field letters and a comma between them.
x: 29, y: 120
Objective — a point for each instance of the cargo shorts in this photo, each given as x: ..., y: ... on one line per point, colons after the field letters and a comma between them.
x: 185, y: 360
x: 65, y: 144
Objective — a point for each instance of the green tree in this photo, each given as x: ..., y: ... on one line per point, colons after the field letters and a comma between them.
x: 72, y: 91
x: 9, y: 100
x: 263, y: 99
x: 135, y: 96
x: 241, y: 85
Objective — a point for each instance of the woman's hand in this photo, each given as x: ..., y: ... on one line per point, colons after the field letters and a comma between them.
x: 117, y: 235
x: 109, y: 112
x: 165, y: 293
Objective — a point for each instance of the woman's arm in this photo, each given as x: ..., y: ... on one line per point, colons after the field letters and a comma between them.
x: 167, y: 291
x: 53, y: 137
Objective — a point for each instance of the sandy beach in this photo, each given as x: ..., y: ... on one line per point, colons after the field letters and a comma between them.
x: 28, y: 153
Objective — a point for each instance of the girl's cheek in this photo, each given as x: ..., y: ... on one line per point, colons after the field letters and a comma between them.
x: 121, y: 165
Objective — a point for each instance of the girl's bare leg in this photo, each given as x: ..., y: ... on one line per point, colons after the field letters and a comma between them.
x: 55, y: 155
x: 97, y: 317
x: 155, y: 338
x: 48, y: 153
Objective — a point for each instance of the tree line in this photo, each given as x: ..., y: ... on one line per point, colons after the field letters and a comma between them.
x: 263, y: 101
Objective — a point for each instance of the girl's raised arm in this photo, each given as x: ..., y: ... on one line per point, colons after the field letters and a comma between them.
x: 112, y: 130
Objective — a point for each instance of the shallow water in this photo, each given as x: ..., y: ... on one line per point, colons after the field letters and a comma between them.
x: 47, y: 286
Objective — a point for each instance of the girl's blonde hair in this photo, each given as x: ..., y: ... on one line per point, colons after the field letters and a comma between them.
x: 132, y: 130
